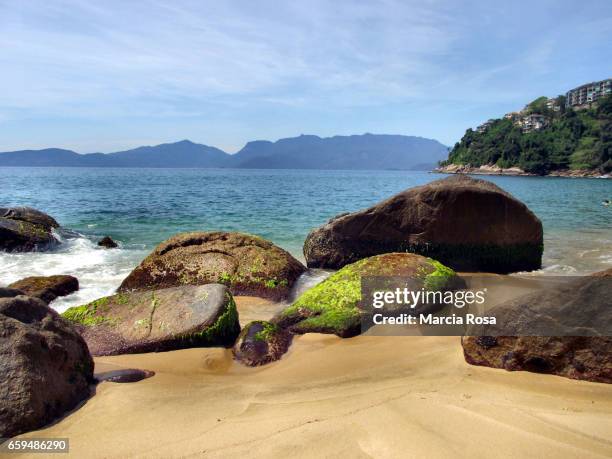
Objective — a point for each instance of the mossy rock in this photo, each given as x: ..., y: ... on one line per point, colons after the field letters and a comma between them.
x: 261, y: 342
x: 333, y: 305
x: 465, y: 223
x: 247, y: 264
x: 158, y: 320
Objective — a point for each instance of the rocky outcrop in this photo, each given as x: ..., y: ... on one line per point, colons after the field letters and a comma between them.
x: 261, y: 342
x: 333, y: 305
x: 580, y: 307
x: 465, y: 223
x: 107, y: 242
x: 47, y: 288
x: 247, y: 264
x: 158, y: 320
x: 493, y: 169
x: 45, y: 365
x: 23, y: 229
x: 485, y: 169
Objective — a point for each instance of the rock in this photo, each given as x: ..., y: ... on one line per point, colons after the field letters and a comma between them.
x: 465, y: 223
x: 47, y: 288
x: 580, y: 307
x: 6, y: 292
x: 45, y: 365
x: 127, y: 375
x: 247, y: 264
x: 158, y: 320
x: 261, y: 342
x: 23, y: 229
x: 575, y: 357
x: 333, y: 305
x: 107, y: 242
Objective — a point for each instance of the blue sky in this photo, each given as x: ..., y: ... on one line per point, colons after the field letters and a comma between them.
x: 108, y: 75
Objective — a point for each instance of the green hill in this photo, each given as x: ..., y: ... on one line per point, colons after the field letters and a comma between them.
x: 571, y: 139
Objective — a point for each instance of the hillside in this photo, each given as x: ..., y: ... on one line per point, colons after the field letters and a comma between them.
x: 366, y: 151
x: 570, y: 139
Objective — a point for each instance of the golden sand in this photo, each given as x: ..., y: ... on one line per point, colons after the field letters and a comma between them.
x: 368, y: 396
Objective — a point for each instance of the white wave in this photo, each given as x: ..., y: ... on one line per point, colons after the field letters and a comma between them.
x: 308, y: 280
x: 99, y: 270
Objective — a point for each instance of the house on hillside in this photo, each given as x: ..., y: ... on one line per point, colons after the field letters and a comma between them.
x: 484, y: 126
x: 533, y: 122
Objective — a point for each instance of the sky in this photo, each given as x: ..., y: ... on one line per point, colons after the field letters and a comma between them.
x: 100, y: 76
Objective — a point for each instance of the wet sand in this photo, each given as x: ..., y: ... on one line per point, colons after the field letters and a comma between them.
x: 369, y: 396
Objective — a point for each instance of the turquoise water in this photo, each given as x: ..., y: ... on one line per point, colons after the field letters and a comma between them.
x: 142, y: 207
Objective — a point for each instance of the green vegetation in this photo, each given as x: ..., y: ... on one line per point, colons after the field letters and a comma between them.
x: 267, y: 331
x: 225, y: 329
x: 86, y: 314
x: 573, y: 139
x: 333, y: 305
x: 439, y: 278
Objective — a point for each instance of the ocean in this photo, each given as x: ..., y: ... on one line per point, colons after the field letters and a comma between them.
x: 139, y: 208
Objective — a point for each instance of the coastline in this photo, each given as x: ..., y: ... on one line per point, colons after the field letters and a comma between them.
x: 490, y: 169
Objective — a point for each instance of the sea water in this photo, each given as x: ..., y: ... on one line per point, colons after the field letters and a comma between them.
x: 139, y: 208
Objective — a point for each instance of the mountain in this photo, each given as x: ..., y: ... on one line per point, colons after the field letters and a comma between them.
x: 180, y: 154
x: 366, y: 151
x: 41, y: 158
x: 546, y: 136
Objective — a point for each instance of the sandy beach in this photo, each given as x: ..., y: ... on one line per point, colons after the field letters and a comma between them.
x: 367, y: 396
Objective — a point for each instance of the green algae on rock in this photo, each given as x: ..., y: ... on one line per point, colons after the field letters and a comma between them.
x: 261, y: 342
x: 333, y: 305
x: 158, y: 320
x: 247, y: 264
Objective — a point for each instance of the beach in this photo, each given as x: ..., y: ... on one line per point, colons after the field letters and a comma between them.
x: 367, y: 396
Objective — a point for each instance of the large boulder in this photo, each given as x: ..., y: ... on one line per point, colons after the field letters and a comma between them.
x: 261, y: 342
x: 45, y: 365
x: 248, y: 265
x: 578, y: 311
x: 158, y: 320
x: 23, y: 229
x: 467, y: 224
x: 47, y: 288
x: 333, y: 305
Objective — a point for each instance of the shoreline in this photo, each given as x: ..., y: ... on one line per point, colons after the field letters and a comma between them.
x: 516, y: 172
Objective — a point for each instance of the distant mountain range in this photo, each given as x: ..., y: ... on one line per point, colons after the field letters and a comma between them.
x: 367, y: 151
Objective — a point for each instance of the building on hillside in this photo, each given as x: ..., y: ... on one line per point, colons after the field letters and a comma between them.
x: 584, y: 96
x: 512, y: 116
x: 484, y: 126
x: 534, y: 122
x: 553, y: 105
